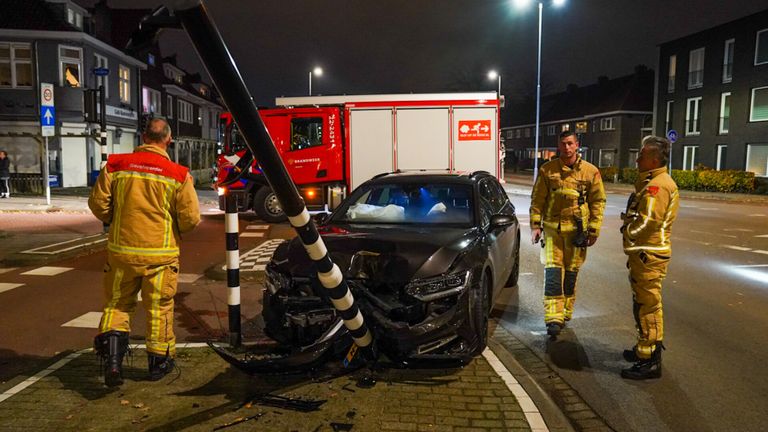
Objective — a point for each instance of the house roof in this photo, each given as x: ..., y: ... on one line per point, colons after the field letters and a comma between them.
x: 32, y: 15
x: 627, y: 93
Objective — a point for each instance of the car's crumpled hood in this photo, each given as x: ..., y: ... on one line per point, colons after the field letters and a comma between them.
x: 382, y: 254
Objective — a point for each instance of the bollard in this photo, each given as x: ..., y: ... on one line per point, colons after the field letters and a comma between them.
x: 232, y: 230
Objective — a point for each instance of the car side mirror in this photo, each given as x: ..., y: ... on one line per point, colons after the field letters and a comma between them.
x: 502, y: 220
x: 320, y: 218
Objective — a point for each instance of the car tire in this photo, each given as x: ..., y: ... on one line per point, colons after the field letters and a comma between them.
x: 515, y: 275
x: 267, y: 207
x: 480, y: 310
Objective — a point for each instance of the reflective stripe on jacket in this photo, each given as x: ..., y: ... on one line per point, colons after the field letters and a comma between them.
x: 555, y: 197
x: 650, y: 213
x: 148, y: 202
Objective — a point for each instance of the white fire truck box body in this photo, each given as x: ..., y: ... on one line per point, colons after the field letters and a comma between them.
x: 457, y: 132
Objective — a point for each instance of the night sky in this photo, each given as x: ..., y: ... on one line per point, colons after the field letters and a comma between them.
x: 403, y: 46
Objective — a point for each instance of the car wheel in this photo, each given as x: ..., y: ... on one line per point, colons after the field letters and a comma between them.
x: 480, y: 310
x: 266, y: 205
x: 515, y: 275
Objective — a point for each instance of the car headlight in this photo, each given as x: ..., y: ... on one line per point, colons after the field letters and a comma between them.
x: 438, y: 287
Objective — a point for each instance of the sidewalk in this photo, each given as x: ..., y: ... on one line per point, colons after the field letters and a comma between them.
x: 521, y: 184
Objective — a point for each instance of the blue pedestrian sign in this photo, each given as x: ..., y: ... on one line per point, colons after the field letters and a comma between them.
x: 672, y: 135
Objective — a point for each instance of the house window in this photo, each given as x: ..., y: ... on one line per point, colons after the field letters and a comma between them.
x: 696, y: 68
x: 151, y: 102
x: 124, y: 75
x: 551, y: 130
x: 671, y: 74
x: 693, y: 116
x: 725, y: 112
x: 632, y: 159
x: 71, y: 61
x: 606, y: 124
x: 581, y: 127
x: 169, y: 106
x: 607, y: 157
x: 527, y: 132
x: 761, y: 47
x: 758, y: 110
x: 178, y: 79
x: 728, y: 60
x: 668, y: 123
x: 757, y: 159
x: 75, y: 18
x: 100, y: 61
x: 510, y: 134
x: 517, y: 133
x: 689, y: 157
x: 565, y: 127
x: 722, y: 157
x: 15, y: 65
x: 185, y: 111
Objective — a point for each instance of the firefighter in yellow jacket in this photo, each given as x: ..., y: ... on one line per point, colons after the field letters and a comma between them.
x: 148, y: 201
x: 646, y: 230
x: 567, y: 206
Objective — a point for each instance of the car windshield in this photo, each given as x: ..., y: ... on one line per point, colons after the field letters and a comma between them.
x: 409, y: 203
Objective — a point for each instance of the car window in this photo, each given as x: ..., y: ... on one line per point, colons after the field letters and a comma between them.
x: 490, y: 195
x: 409, y: 203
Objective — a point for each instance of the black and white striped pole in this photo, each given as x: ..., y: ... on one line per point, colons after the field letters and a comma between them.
x: 232, y: 231
x: 103, y: 135
x: 221, y: 67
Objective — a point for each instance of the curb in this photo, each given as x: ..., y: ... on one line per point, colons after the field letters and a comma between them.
x: 19, y: 259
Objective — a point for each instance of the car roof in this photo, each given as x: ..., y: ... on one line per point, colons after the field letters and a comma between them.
x: 431, y: 176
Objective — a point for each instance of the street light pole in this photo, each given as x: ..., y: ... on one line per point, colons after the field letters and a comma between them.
x: 310, y: 83
x: 317, y: 71
x: 538, y: 100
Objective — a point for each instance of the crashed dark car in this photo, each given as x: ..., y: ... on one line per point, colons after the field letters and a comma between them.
x: 424, y: 255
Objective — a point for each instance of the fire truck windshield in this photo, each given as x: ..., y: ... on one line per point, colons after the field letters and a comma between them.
x: 234, y: 141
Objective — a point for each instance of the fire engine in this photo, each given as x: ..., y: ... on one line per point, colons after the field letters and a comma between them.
x: 332, y: 144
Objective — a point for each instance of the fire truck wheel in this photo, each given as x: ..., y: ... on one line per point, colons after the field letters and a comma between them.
x: 266, y: 205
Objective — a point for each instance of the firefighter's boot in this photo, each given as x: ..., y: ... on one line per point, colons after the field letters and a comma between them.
x: 111, y: 348
x: 645, y: 368
x: 159, y: 366
x: 630, y: 355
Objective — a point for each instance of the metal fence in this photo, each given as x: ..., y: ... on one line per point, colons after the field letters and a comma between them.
x: 26, y: 183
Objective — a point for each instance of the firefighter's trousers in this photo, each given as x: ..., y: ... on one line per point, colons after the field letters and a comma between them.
x: 646, y: 273
x: 562, y: 261
x: 157, y: 284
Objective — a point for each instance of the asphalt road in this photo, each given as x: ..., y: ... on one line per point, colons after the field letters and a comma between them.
x: 715, y: 298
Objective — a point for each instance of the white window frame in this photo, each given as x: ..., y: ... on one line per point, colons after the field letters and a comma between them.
x: 185, y: 111
x: 752, y: 105
x: 600, y: 154
x: 730, y: 45
x: 757, y: 46
x: 517, y: 133
x: 565, y: 126
x: 78, y: 61
x: 691, y: 54
x: 102, y: 61
x: 692, y: 150
x: 633, y: 154
x: 152, y: 98
x: 12, y: 62
x: 668, y: 119
x: 749, y: 154
x: 606, y: 124
x: 719, y: 162
x: 672, y: 73
x: 691, y: 121
x: 124, y: 83
x: 551, y: 130
x: 722, y: 129
x: 169, y: 106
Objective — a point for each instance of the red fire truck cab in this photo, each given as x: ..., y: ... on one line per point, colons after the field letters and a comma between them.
x: 332, y: 144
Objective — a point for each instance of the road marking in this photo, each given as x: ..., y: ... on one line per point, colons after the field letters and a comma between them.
x: 257, y: 227
x: 189, y: 277
x: 6, y: 270
x: 7, y: 286
x: 738, y: 248
x: 532, y: 414
x: 752, y: 265
x: 252, y: 234
x: 710, y: 233
x: 47, y: 271
x: 760, y: 251
x: 39, y: 250
x: 738, y: 229
x: 526, y: 274
x: 709, y: 209
x: 762, y: 236
x: 86, y: 320
x: 688, y: 206
x: 756, y: 215
x: 250, y: 261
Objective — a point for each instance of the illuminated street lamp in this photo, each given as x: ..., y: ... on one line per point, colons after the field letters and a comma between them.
x: 493, y: 75
x: 522, y: 4
x: 318, y: 72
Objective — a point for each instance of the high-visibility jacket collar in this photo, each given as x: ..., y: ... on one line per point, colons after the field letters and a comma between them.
x: 643, y: 177
x: 152, y: 148
x: 576, y: 165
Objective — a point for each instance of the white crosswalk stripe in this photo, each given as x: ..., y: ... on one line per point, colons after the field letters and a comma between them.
x: 87, y: 320
x: 7, y: 286
x: 256, y: 258
x: 47, y: 271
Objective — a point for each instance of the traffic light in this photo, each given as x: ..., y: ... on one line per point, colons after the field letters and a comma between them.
x: 90, y: 104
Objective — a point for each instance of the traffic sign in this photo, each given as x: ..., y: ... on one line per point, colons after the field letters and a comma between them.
x: 47, y: 110
x: 100, y: 71
x: 672, y: 135
x: 46, y: 94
